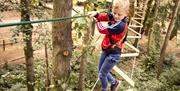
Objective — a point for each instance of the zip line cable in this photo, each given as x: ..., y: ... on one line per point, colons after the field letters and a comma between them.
x: 39, y: 21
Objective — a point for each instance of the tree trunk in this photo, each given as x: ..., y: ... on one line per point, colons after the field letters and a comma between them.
x: 86, y: 42
x: 82, y: 70
x: 138, y: 3
x: 83, y: 61
x: 132, y: 9
x: 173, y: 34
x: 154, y: 13
x: 176, y: 26
x: 170, y: 28
x: 146, y: 16
x: 140, y: 21
x: 62, y: 40
x: 27, y: 38
x: 93, y: 27
x: 47, y: 81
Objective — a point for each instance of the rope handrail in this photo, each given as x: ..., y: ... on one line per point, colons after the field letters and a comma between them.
x: 39, y: 21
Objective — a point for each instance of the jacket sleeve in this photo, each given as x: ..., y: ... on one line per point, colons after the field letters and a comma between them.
x: 116, y: 28
x: 104, y: 16
x: 101, y: 28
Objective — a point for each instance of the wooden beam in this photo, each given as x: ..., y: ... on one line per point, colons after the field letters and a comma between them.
x: 133, y: 37
x: 124, y: 76
x: 132, y: 47
x: 139, y: 12
x: 135, y: 26
x: 138, y: 15
x: 137, y: 18
x: 132, y: 30
x: 132, y: 19
x: 130, y: 55
x: 129, y: 89
x: 139, y: 8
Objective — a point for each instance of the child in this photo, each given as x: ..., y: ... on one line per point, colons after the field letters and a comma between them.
x: 115, y: 35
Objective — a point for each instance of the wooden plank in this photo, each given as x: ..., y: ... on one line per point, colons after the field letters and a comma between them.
x: 178, y: 38
x: 136, y: 22
x: 135, y: 26
x: 124, y: 76
x: 129, y: 89
x: 138, y: 15
x: 129, y: 54
x: 4, y: 46
x: 132, y: 47
x: 133, y: 37
x: 139, y: 12
x: 132, y: 30
x: 136, y: 18
x: 138, y: 8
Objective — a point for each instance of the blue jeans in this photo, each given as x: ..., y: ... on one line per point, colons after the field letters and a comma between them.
x: 106, y: 63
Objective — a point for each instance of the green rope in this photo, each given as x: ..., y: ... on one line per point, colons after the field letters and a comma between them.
x: 39, y: 21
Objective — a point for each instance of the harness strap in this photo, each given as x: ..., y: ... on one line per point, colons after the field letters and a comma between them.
x: 113, y: 44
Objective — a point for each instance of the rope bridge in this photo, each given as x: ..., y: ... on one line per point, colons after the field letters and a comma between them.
x: 136, y: 22
x: 138, y: 16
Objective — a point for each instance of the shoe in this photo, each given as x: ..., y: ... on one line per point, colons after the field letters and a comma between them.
x: 115, y: 86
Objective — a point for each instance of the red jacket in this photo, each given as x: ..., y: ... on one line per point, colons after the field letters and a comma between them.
x: 116, y: 30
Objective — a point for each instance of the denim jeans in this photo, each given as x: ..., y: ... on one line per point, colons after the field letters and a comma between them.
x: 106, y: 63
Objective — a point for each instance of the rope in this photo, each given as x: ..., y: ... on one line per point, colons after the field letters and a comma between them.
x: 95, y: 84
x: 39, y: 21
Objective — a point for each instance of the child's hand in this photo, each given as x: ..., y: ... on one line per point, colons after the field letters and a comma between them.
x: 93, y: 13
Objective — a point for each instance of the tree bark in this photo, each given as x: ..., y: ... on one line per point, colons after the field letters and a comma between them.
x: 154, y: 13
x: 140, y: 21
x: 138, y: 3
x: 173, y: 34
x: 82, y: 70
x: 47, y: 81
x: 132, y: 9
x: 62, y: 40
x: 27, y: 38
x: 170, y: 28
x: 146, y: 16
x: 83, y: 61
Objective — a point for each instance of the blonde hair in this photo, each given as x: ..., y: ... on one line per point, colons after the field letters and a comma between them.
x: 121, y: 6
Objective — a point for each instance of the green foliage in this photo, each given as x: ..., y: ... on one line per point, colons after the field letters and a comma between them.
x: 40, y: 74
x: 35, y: 2
x: 163, y: 13
x: 8, y: 5
x: 93, y: 5
x: 12, y: 76
x: 157, y: 40
x: 42, y: 36
x: 15, y: 34
x: 149, y: 62
x: 103, y: 6
x: 91, y: 71
x: 80, y: 26
x: 15, y: 76
x: 168, y: 81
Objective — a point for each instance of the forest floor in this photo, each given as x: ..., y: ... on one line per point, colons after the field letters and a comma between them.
x: 14, y: 53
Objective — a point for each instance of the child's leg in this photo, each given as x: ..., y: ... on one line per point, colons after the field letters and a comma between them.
x: 101, y: 61
x: 109, y: 62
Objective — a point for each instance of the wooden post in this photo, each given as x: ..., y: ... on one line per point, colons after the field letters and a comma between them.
x: 4, y: 45
x: 47, y: 69
x: 178, y: 38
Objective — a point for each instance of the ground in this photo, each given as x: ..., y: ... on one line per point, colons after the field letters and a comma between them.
x: 15, y: 51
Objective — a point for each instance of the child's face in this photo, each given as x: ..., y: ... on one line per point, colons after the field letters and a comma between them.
x: 117, y: 15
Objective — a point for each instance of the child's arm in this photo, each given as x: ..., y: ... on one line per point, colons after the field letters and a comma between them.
x: 113, y: 29
x: 104, y: 17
